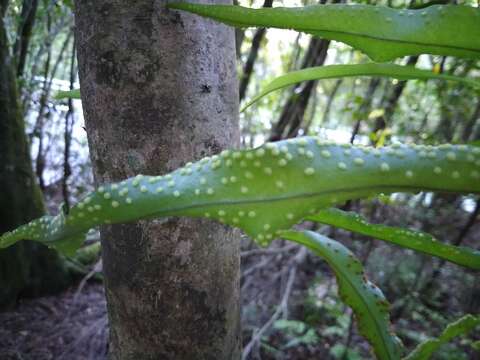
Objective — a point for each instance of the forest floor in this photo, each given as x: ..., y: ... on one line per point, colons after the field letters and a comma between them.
x: 71, y: 325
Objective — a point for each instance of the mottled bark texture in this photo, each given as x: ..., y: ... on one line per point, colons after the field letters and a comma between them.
x: 28, y: 268
x: 159, y: 89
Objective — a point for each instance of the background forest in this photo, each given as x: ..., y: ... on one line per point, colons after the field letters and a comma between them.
x: 290, y: 306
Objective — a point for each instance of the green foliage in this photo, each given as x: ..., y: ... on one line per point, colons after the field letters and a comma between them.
x: 298, y: 332
x: 88, y: 254
x: 69, y: 94
x: 457, y: 328
x: 382, y: 33
x: 262, y: 190
x: 365, y: 299
x: 267, y: 190
x: 476, y: 345
x: 339, y: 71
x: 406, y: 238
x: 339, y: 351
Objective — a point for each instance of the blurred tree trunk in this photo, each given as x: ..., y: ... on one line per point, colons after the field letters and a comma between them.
x: 27, y: 268
x: 365, y: 107
x: 159, y: 89
x: 293, y: 112
x: 468, y: 133
x: 330, y: 100
x: 294, y: 109
x: 239, y: 36
x: 24, y: 33
x: 252, y: 56
x: 390, y: 101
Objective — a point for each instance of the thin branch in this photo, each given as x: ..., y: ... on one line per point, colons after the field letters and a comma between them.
x: 255, y: 267
x: 330, y: 100
x: 69, y: 121
x: 35, y: 61
x: 40, y: 159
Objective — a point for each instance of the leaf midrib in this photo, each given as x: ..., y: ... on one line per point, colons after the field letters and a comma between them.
x: 391, y: 188
x: 362, y: 35
x: 347, y: 279
x: 377, y: 325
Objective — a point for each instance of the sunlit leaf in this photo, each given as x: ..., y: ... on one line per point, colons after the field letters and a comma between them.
x: 406, y: 238
x: 69, y: 94
x: 382, y: 33
x: 339, y: 71
x: 264, y: 190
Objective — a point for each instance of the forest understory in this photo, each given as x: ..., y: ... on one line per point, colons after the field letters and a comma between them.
x: 113, y: 113
x: 290, y: 307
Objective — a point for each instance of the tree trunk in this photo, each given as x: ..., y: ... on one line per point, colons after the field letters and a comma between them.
x: 364, y: 107
x: 28, y: 268
x: 294, y: 109
x: 24, y: 33
x: 467, y: 133
x: 391, y: 101
x: 159, y: 89
x: 252, y: 56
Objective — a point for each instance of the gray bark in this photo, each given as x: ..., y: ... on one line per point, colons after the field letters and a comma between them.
x: 159, y: 89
